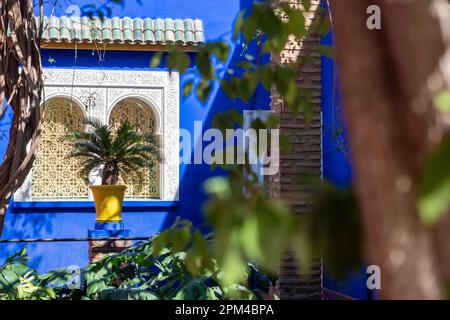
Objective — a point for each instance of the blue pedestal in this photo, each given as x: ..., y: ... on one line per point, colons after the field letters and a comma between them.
x: 108, y: 229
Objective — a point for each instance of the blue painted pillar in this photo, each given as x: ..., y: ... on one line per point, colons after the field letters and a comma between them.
x: 336, y: 166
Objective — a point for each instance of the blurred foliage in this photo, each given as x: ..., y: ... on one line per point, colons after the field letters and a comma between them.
x: 248, y: 224
x: 175, y: 264
x: 19, y: 282
x: 434, y: 200
x: 435, y: 184
x: 247, y: 228
x: 336, y: 228
x: 442, y: 101
x: 269, y: 29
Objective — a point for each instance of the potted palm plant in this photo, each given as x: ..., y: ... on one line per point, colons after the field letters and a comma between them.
x: 120, y: 153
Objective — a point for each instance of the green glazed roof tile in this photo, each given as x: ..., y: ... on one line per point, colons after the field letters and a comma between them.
x: 85, y: 30
x: 159, y: 30
x: 116, y: 26
x: 96, y: 29
x: 138, y: 30
x: 127, y: 29
x: 53, y: 29
x: 106, y: 30
x: 179, y: 31
x: 169, y: 26
x: 149, y: 35
x: 120, y: 30
x: 76, y: 29
x: 45, y: 31
x: 65, y: 29
x: 199, y: 34
x: 189, y: 31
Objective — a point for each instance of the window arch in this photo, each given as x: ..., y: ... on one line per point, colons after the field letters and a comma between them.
x: 141, y: 115
x: 55, y: 175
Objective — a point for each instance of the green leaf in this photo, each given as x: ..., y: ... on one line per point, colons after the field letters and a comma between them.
x: 327, y: 51
x: 187, y: 88
x: 302, y: 244
x: 233, y: 261
x: 18, y: 257
x: 156, y: 60
x: 246, y: 86
x: 203, y: 90
x: 285, y: 144
x: 273, y: 121
x: 291, y: 92
x: 160, y: 242
x: 250, y: 238
x: 277, y: 43
x: 435, y: 185
x: 266, y: 77
x: 249, y: 28
x: 178, y: 60
x: 335, y: 223
x: 219, y: 49
x: 180, y: 238
x: 238, y: 25
x: 306, y: 4
x: 442, y: 101
x: 20, y: 269
x: 9, y: 282
x: 218, y: 186
x: 296, y: 24
x: 229, y: 88
x: 203, y: 62
x: 274, y: 218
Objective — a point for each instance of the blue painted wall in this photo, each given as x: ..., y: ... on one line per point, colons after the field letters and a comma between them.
x: 336, y: 166
x: 40, y: 220
x: 74, y: 219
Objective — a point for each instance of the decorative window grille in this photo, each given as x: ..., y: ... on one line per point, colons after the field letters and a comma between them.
x: 55, y: 174
x: 93, y: 94
x: 142, y: 117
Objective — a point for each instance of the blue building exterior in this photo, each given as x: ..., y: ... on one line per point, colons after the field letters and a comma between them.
x: 69, y: 219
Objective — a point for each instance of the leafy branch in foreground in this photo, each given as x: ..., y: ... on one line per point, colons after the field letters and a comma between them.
x: 248, y: 224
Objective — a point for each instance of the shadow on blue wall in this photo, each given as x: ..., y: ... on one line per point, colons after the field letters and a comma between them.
x: 56, y: 220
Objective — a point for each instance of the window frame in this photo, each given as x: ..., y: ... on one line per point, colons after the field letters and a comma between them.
x: 157, y: 89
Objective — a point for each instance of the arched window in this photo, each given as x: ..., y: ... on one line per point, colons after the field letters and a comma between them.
x: 55, y: 175
x: 151, y: 103
x: 139, y: 114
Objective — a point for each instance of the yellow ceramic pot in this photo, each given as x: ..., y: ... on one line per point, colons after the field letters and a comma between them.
x: 108, y: 202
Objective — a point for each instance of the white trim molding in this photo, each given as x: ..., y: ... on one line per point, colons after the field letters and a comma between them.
x: 100, y: 90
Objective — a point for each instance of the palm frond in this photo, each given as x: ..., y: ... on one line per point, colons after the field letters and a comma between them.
x: 130, y: 149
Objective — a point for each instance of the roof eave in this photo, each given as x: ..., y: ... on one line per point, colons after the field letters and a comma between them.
x: 115, y: 46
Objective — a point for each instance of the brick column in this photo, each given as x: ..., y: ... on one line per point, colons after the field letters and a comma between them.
x: 98, y: 249
x: 305, y: 158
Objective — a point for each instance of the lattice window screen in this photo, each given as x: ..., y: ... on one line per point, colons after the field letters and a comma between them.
x: 55, y: 174
x: 140, y: 115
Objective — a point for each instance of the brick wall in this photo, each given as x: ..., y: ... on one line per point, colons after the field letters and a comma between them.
x: 99, y: 249
x: 305, y: 157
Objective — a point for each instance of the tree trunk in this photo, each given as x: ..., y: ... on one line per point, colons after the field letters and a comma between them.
x: 110, y: 173
x: 22, y: 89
x: 389, y: 78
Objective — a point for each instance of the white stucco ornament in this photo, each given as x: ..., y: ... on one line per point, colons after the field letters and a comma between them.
x: 98, y: 91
